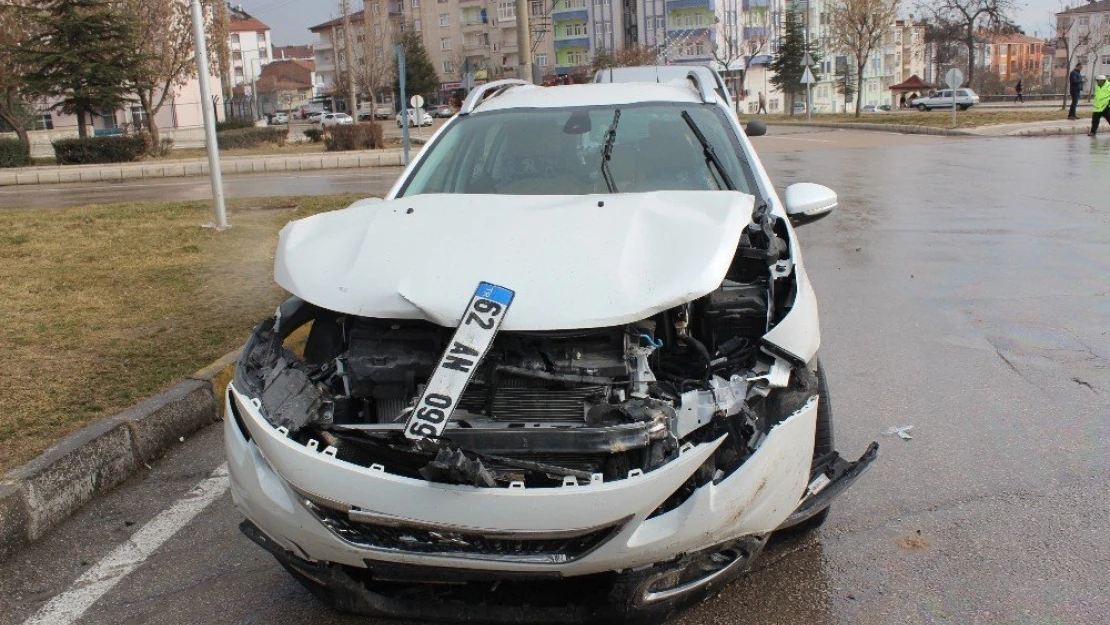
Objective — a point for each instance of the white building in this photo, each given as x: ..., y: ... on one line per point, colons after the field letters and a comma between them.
x: 250, y: 45
x: 1088, y: 30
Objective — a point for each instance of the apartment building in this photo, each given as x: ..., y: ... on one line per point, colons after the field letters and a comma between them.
x: 466, y: 40
x: 1015, y: 56
x: 250, y: 46
x: 1088, y: 31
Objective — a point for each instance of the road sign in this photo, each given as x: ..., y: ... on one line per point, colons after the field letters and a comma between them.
x: 807, y: 77
x: 807, y: 61
x: 416, y: 101
x: 954, y: 78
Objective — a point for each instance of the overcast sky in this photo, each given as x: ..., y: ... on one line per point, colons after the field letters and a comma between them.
x: 290, y: 19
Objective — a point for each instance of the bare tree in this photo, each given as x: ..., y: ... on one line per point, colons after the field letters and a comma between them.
x: 728, y: 46
x: 374, y: 71
x: 858, y: 28
x: 164, y: 39
x: 971, y: 16
x: 1095, y: 39
x: 15, y: 108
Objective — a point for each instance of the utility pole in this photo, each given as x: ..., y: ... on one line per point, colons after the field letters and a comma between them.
x: 524, y: 41
x: 210, y: 144
x: 399, y: 50
x: 809, y: 91
x: 348, y: 52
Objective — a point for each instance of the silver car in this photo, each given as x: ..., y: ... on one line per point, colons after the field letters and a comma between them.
x: 965, y: 99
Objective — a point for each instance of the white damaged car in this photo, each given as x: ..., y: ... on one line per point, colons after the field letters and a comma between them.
x: 565, y: 372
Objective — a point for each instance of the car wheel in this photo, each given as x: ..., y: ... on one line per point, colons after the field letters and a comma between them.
x: 922, y: 108
x: 823, y: 444
x: 964, y: 107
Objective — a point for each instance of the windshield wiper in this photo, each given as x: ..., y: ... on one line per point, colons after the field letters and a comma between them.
x: 607, y: 152
x: 711, y: 157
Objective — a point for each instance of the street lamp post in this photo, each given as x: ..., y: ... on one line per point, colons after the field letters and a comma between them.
x: 210, y: 144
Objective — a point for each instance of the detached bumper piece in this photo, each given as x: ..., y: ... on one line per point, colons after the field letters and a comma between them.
x: 831, y: 478
x: 642, y: 597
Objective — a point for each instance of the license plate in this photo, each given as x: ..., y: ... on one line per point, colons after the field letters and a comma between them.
x: 468, y: 346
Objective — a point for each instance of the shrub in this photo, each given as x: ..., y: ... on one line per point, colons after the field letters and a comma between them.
x: 361, y: 136
x: 234, y: 124
x: 314, y: 135
x: 91, y: 150
x: 251, y: 137
x: 12, y: 154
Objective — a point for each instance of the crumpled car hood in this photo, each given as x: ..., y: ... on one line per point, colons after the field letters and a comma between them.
x: 573, y: 261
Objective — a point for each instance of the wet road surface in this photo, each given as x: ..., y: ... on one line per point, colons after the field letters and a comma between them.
x: 963, y: 290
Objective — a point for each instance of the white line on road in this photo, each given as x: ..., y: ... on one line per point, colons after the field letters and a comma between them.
x: 67, y: 607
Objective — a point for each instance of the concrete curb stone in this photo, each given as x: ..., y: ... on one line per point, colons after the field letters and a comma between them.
x: 42, y: 493
x: 897, y: 128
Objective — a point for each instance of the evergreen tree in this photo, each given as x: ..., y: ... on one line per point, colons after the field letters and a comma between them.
x: 845, y: 81
x: 420, y: 74
x: 787, y: 66
x: 81, y: 54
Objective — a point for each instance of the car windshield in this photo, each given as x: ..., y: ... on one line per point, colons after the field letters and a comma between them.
x: 559, y: 151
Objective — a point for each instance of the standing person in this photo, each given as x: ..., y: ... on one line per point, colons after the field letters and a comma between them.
x: 902, y: 101
x: 1075, y: 84
x: 762, y: 104
x: 1100, y: 103
x: 1018, y: 88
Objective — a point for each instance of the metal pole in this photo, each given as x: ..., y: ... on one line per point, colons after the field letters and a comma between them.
x: 809, y: 96
x: 213, y: 148
x: 399, y: 49
x: 523, y: 41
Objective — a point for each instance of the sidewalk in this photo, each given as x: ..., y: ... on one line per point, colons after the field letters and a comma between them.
x: 392, y: 157
x: 1024, y: 129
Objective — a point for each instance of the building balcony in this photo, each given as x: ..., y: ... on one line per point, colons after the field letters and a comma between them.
x: 676, y: 34
x: 576, y: 42
x: 756, y: 4
x: 710, y: 5
x: 577, y: 15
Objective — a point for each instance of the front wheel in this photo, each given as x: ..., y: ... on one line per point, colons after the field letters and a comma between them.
x: 922, y: 108
x: 964, y: 107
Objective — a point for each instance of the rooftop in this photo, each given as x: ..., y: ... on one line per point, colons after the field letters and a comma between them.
x: 292, y: 52
x: 355, y: 17
x: 241, y: 21
x: 1090, y: 7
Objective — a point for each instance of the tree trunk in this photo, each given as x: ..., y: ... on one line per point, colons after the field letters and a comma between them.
x: 82, y: 131
x: 151, y: 125
x: 859, y: 87
x: 970, y: 55
x: 20, y: 132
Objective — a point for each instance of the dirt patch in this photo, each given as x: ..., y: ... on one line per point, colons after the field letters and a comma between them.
x: 913, y: 543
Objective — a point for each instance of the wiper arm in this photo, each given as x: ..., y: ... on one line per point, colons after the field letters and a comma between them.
x: 607, y: 152
x: 711, y: 157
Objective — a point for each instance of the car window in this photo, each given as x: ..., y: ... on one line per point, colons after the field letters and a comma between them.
x: 558, y: 151
x: 963, y: 92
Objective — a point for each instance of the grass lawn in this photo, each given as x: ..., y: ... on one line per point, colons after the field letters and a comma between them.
x: 289, y: 148
x: 936, y: 119
x: 107, y: 305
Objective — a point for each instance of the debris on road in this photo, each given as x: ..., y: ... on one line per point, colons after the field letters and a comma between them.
x: 902, y: 432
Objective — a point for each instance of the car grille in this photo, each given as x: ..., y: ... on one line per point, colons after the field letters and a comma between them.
x: 414, y: 538
x: 521, y: 403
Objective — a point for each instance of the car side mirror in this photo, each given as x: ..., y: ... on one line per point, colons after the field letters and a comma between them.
x: 807, y: 202
x: 755, y: 128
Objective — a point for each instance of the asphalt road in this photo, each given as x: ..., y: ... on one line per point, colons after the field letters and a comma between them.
x: 963, y: 291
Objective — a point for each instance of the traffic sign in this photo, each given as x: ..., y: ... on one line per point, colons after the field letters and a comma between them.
x: 807, y: 77
x: 954, y: 78
x: 416, y: 101
x: 807, y: 61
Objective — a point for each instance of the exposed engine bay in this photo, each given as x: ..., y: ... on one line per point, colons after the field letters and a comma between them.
x: 546, y: 408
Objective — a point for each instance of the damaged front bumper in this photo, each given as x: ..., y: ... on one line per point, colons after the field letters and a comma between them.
x: 366, y: 528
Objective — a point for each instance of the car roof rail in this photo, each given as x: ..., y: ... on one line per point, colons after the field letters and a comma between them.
x: 706, y: 91
x: 488, y: 90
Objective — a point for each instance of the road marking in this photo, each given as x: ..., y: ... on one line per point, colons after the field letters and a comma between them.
x: 69, y: 606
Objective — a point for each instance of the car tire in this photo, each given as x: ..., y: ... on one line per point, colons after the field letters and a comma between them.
x: 823, y: 443
x: 964, y: 107
x: 922, y: 108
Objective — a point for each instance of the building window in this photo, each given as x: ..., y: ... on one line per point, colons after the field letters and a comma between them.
x: 541, y: 59
x: 236, y: 56
x: 415, y: 4
x: 448, y: 67
x: 537, y: 7
x: 138, y: 116
x: 234, y: 39
x: 44, y: 122
x: 416, y: 24
x: 445, y: 43
x: 108, y: 119
x: 506, y: 10
x: 377, y: 31
x: 575, y: 29
x: 444, y: 19
x: 576, y: 57
x: 1106, y: 60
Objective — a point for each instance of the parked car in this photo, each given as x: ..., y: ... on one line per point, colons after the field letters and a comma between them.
x: 965, y: 99
x: 442, y: 111
x: 424, y: 119
x: 314, y: 117
x: 281, y: 117
x: 335, y: 119
x: 799, y: 107
x: 590, y: 373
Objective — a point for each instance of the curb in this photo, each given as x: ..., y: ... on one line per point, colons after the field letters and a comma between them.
x: 44, y: 492
x: 911, y: 129
x: 185, y: 168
